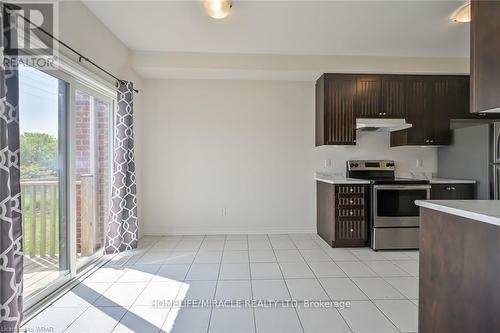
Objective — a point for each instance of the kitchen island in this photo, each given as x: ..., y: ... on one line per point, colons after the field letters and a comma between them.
x: 459, y: 276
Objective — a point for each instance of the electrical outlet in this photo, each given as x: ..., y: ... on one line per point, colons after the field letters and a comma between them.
x: 420, y: 163
x: 224, y: 211
x: 328, y: 163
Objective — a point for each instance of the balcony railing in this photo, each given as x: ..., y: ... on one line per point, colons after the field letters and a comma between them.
x: 40, y: 217
x: 40, y: 206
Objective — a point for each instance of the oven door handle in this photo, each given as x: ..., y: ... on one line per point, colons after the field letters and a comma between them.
x: 402, y: 187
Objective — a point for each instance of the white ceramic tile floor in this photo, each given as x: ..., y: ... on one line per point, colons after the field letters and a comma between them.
x: 265, y: 270
x: 306, y: 289
x: 135, y: 291
x: 403, y: 313
x: 270, y: 290
x: 227, y: 320
x: 322, y: 320
x: 233, y: 290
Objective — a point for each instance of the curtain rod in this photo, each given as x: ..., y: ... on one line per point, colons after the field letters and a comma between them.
x: 80, y: 56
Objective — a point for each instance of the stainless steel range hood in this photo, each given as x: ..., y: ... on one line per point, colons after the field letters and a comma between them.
x: 381, y: 125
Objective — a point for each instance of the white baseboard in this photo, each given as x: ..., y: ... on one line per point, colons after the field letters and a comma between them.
x: 174, y: 231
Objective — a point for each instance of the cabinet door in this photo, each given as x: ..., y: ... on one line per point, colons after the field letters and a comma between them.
x: 464, y: 191
x: 485, y: 55
x: 437, y: 121
x: 368, y: 97
x: 453, y: 192
x: 460, y: 97
x: 416, y: 104
x: 442, y: 192
x: 340, y: 117
x: 393, y: 96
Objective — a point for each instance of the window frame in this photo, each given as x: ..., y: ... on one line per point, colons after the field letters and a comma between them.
x: 76, y: 77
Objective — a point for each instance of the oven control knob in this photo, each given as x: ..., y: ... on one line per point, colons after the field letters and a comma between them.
x: 389, y: 165
x: 354, y: 165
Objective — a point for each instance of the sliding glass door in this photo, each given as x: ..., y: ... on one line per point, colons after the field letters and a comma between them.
x: 43, y: 106
x: 92, y: 158
x: 66, y: 159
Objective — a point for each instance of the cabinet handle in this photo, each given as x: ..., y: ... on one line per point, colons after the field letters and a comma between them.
x: 453, y: 188
x: 351, y: 230
x: 351, y: 201
x: 427, y: 141
x: 385, y: 113
x: 351, y: 212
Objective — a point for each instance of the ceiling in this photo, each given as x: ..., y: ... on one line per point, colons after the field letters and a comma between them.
x: 365, y: 28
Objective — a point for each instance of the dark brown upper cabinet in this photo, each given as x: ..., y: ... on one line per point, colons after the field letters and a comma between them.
x: 335, y: 110
x: 431, y: 101
x: 393, y: 89
x: 368, y: 97
x: 485, y: 56
x: 416, y: 100
x: 428, y: 102
x: 380, y: 96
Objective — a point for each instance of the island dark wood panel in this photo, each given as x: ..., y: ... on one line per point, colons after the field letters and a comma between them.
x: 459, y: 274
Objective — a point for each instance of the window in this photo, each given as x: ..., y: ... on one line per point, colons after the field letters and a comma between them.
x: 92, y: 137
x: 66, y: 122
x: 42, y: 113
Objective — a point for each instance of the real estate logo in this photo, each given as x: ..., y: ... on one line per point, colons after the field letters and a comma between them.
x: 28, y: 28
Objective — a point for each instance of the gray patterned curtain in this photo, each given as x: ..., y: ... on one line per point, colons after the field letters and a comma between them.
x: 11, y: 236
x: 121, y: 233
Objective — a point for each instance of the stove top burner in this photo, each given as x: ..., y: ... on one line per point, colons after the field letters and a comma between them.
x: 379, y: 172
x: 404, y: 181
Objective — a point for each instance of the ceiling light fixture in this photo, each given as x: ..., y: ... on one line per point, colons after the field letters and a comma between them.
x: 217, y: 8
x: 462, y: 14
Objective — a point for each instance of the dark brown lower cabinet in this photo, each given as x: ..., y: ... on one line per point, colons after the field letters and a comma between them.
x: 453, y: 191
x: 342, y: 215
x: 459, y: 274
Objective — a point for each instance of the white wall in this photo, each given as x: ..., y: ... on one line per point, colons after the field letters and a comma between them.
x: 247, y: 146
x: 376, y: 145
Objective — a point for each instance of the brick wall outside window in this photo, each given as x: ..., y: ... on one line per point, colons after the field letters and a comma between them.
x: 94, y: 141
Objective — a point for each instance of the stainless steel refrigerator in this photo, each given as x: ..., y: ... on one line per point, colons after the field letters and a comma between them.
x: 474, y: 154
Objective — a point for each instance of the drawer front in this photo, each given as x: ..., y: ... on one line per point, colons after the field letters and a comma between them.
x: 453, y: 192
x: 351, y: 230
x: 351, y: 212
x: 350, y: 189
x: 350, y: 201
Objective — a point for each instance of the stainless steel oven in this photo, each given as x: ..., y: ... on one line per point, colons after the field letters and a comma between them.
x: 394, y: 205
x: 394, y: 217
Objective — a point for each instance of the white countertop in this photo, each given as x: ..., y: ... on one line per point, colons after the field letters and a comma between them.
x: 450, y: 181
x: 487, y: 211
x: 337, y: 179
x: 435, y: 180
